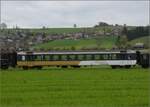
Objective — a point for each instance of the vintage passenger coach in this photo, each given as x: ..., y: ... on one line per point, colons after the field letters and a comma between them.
x: 75, y: 59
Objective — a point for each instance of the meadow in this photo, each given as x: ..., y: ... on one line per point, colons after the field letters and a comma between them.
x: 58, y: 30
x: 80, y: 87
x: 101, y: 42
x: 144, y: 40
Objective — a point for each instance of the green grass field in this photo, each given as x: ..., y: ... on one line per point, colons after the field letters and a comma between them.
x: 70, y: 30
x: 81, y: 87
x: 141, y: 40
x: 58, y: 30
x: 101, y: 42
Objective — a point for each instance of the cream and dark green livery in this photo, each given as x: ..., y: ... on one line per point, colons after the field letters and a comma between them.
x: 76, y: 59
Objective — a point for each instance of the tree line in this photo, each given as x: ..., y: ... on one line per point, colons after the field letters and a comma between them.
x: 136, y: 32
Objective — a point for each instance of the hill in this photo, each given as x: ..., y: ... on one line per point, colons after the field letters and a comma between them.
x: 141, y: 40
x: 57, y: 30
x: 144, y: 40
x: 101, y: 42
x: 100, y: 37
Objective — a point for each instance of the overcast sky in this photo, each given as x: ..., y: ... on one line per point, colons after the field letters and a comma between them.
x: 66, y: 13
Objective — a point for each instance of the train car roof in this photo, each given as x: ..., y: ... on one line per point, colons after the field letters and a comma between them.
x: 73, y: 52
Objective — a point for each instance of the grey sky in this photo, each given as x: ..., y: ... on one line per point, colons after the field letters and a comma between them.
x: 67, y: 13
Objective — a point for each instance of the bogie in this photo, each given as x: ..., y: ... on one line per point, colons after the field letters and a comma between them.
x: 25, y: 67
x: 128, y: 66
x: 4, y: 67
x: 64, y: 66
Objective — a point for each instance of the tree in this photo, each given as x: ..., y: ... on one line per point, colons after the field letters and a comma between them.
x: 137, y: 32
x: 124, y: 31
x: 122, y: 41
x: 73, y: 48
x: 3, y: 26
x: 75, y: 25
x: 43, y: 27
x: 101, y: 24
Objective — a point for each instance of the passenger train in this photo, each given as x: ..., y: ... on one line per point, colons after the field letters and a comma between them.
x: 75, y: 59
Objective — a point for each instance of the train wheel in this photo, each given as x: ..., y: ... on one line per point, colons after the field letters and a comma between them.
x: 39, y: 67
x: 75, y: 66
x: 121, y: 66
x: 64, y: 66
x: 113, y: 66
x: 4, y: 67
x: 25, y: 67
x: 128, y: 66
x: 145, y: 66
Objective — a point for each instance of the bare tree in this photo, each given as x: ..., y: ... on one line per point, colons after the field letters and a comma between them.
x: 3, y: 26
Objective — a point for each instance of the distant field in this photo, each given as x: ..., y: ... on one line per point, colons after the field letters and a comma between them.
x: 101, y: 42
x: 58, y: 30
x: 83, y: 87
x: 70, y: 30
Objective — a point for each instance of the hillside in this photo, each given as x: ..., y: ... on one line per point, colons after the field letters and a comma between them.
x: 101, y: 42
x: 100, y: 37
x: 71, y: 30
x: 144, y: 40
x: 57, y: 30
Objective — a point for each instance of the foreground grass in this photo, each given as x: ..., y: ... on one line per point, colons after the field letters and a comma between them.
x: 84, y: 87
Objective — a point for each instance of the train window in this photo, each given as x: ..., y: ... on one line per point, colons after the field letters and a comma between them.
x: 51, y: 57
x: 96, y: 57
x: 117, y: 56
x: 71, y: 57
x: 19, y: 58
x: 29, y: 57
x: 64, y: 57
x: 113, y: 56
x: 91, y: 57
x: 23, y: 58
x: 84, y: 57
x: 26, y: 58
x: 42, y: 57
x: 101, y: 57
x: 59, y: 57
x: 34, y: 57
x: 144, y: 56
x: 81, y: 57
x: 88, y: 57
x: 109, y: 56
x: 47, y: 57
x: 129, y: 57
x: 55, y: 57
x: 122, y: 56
x: 133, y: 56
x: 105, y: 56
x: 38, y: 58
x: 76, y: 57
x: 126, y: 56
